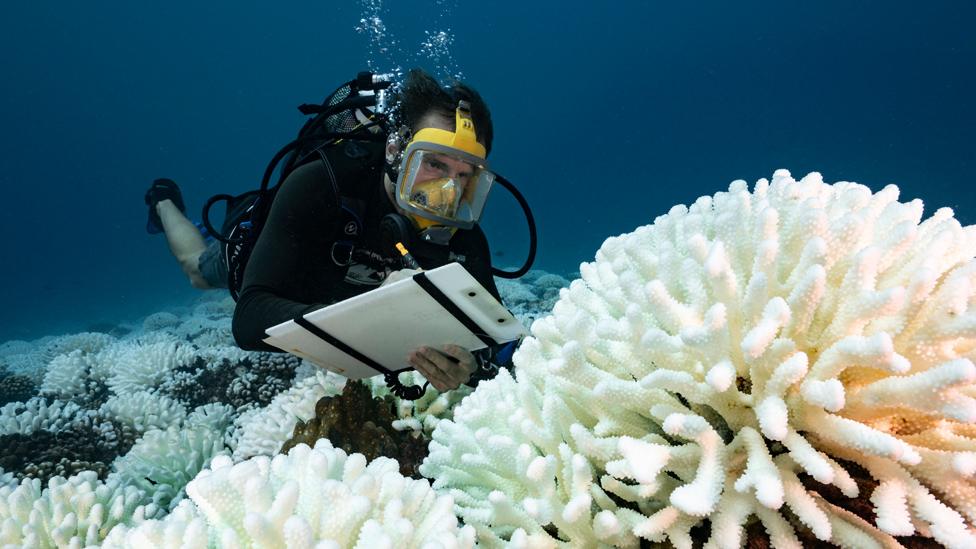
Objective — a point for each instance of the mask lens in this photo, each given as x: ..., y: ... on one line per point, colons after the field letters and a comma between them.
x: 443, y: 186
x: 438, y: 196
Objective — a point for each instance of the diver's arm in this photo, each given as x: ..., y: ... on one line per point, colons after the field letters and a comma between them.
x: 290, y: 270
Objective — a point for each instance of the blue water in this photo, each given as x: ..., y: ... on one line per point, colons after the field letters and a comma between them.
x: 604, y: 116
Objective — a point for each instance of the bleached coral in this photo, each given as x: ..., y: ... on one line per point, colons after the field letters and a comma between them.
x: 163, y: 461
x: 426, y: 412
x: 86, y: 342
x: 205, y: 331
x: 160, y: 321
x: 7, y: 479
x: 262, y: 431
x: 74, y: 512
x: 209, y: 325
x: 37, y: 414
x: 15, y: 347
x: 293, y: 501
x: 215, y: 307
x: 218, y: 418
x: 129, y: 366
x: 143, y: 410
x: 704, y: 365
x: 67, y: 375
x: 532, y: 296
x: 32, y: 359
x: 183, y: 528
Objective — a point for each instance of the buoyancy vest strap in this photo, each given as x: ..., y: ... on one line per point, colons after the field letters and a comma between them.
x: 339, y: 344
x: 455, y: 311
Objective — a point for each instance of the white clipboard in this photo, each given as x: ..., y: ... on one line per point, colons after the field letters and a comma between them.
x: 381, y: 326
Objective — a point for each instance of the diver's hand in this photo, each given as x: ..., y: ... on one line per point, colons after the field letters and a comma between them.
x: 399, y: 275
x: 446, y: 369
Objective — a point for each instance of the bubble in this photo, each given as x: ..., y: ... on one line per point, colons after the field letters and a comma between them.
x: 434, y: 50
x: 381, y: 43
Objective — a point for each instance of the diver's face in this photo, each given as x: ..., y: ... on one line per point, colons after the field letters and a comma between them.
x: 442, y: 166
x: 436, y: 166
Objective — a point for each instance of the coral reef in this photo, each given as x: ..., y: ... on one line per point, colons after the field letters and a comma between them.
x: 731, y: 369
x: 15, y: 388
x: 233, y: 377
x: 127, y: 367
x: 290, y: 501
x: 262, y: 431
x: 39, y: 414
x: 74, y: 512
x: 160, y: 321
x: 67, y: 375
x: 84, y: 446
x: 102, y: 430
x: 356, y: 422
x: 143, y: 410
x: 421, y: 415
x: 532, y: 296
x: 32, y: 358
x: 163, y: 461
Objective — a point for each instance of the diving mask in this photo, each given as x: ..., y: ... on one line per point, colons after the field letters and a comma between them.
x: 444, y: 178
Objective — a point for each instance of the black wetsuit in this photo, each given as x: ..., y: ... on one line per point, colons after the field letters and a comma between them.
x: 292, y: 270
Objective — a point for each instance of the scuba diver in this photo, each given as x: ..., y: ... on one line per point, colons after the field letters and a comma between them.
x: 416, y: 177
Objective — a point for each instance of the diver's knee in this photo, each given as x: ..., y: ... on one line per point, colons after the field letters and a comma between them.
x: 191, y: 268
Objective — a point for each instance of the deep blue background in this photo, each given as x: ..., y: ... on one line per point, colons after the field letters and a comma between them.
x: 605, y: 116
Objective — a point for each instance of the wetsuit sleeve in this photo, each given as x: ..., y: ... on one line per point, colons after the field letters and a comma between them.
x: 290, y: 268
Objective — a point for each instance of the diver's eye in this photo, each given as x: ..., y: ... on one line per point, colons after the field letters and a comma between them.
x: 435, y: 164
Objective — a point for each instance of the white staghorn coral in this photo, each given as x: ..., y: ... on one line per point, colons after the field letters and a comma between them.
x: 291, y: 501
x: 725, y: 362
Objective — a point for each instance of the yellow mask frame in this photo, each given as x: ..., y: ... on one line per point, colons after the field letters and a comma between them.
x: 462, y: 145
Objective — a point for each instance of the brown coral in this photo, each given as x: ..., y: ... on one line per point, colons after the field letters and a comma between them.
x: 358, y: 423
x: 15, y: 388
x: 82, y: 447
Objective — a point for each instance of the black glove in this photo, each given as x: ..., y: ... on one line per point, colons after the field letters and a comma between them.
x: 161, y: 189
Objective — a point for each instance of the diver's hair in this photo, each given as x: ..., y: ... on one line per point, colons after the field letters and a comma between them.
x: 420, y: 94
